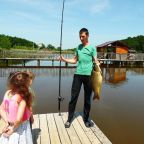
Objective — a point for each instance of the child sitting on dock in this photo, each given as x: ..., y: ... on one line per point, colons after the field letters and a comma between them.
x: 16, y: 110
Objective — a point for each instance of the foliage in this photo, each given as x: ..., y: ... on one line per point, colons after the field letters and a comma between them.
x: 8, y: 42
x: 136, y: 43
x: 5, y: 42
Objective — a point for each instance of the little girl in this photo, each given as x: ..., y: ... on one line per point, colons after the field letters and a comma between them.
x: 16, y: 110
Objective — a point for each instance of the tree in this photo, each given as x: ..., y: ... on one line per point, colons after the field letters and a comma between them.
x: 50, y: 47
x: 136, y: 43
x: 5, y: 42
x: 58, y: 48
x: 14, y: 42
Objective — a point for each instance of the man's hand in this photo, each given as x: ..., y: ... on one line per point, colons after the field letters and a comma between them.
x: 61, y: 58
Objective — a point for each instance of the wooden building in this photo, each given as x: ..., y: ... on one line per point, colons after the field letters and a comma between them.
x: 112, y: 49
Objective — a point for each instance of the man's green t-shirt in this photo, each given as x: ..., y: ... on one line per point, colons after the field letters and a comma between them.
x: 85, y: 56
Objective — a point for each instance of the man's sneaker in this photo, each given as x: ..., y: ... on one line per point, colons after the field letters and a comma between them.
x: 67, y: 124
x: 89, y: 124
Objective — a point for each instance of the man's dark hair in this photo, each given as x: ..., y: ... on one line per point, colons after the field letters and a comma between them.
x: 84, y: 30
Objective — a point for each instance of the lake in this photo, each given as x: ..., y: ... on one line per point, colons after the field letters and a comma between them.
x: 120, y: 111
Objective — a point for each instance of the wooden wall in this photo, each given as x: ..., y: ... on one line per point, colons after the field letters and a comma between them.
x: 121, y: 50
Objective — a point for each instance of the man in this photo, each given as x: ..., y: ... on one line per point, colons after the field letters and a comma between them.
x: 85, y: 54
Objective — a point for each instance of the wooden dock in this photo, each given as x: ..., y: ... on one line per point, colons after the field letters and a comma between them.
x: 5, y: 62
x: 49, y: 129
x: 19, y: 58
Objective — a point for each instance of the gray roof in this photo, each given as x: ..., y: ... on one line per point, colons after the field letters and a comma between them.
x: 105, y: 44
x: 114, y: 43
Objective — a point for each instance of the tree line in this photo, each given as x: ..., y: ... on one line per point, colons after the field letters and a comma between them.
x: 9, y: 42
x: 136, y: 43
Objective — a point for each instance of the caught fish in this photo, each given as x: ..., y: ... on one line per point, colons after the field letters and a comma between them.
x: 96, y: 81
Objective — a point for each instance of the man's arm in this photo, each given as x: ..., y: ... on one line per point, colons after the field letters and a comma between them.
x: 96, y: 60
x: 72, y: 60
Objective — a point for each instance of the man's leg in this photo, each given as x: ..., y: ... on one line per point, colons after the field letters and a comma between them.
x: 87, y: 97
x: 76, y: 86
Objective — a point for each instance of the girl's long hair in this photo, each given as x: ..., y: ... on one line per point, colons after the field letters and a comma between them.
x: 18, y: 83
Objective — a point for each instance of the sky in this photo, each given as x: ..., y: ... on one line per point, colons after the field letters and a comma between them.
x: 40, y: 20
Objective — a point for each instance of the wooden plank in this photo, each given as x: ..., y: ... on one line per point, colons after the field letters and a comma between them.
x: 71, y: 131
x: 90, y: 134
x: 36, y: 130
x: 54, y: 136
x: 100, y: 135
x: 61, y: 129
x: 45, y: 139
x: 80, y: 132
x: 49, y: 129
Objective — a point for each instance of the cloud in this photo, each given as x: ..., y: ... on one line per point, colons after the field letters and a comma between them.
x: 100, y: 6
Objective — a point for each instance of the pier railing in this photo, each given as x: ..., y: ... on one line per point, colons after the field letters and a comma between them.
x: 121, y: 57
x: 10, y: 57
x: 54, y: 55
x: 31, y: 54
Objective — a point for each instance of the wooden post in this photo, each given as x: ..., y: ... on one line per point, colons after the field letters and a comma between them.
x: 120, y: 64
x: 24, y: 63
x: 52, y: 62
x: 38, y: 63
x: 107, y: 64
x: 66, y: 64
x: 7, y: 62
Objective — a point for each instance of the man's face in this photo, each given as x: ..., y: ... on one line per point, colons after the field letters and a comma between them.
x: 83, y: 37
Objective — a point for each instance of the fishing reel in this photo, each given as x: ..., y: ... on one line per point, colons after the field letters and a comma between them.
x: 60, y: 98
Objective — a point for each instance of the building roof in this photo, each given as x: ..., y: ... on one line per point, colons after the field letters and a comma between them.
x: 112, y: 43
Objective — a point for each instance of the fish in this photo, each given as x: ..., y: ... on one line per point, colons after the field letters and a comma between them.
x: 96, y: 81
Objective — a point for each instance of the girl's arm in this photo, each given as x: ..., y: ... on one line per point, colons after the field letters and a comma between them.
x: 72, y: 60
x: 3, y: 114
x: 3, y: 108
x: 4, y: 117
x: 21, y: 110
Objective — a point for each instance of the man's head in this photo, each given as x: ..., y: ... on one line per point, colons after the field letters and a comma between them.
x: 84, y: 34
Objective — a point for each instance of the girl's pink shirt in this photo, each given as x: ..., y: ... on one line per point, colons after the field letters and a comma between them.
x: 11, y: 106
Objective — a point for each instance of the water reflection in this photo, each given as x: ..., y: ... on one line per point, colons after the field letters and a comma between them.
x: 136, y: 71
x: 114, y: 76
x: 4, y: 72
x: 111, y: 75
x: 119, y: 113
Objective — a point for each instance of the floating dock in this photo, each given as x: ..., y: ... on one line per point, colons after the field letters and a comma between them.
x: 49, y: 129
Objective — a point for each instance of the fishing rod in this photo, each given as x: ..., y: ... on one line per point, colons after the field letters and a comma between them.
x: 60, y: 98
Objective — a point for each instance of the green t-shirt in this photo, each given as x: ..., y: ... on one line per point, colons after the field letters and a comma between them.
x: 85, y: 56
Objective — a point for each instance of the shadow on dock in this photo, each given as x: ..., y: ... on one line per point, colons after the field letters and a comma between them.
x: 35, y: 134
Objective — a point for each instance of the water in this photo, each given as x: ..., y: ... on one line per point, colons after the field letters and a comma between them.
x: 120, y: 111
